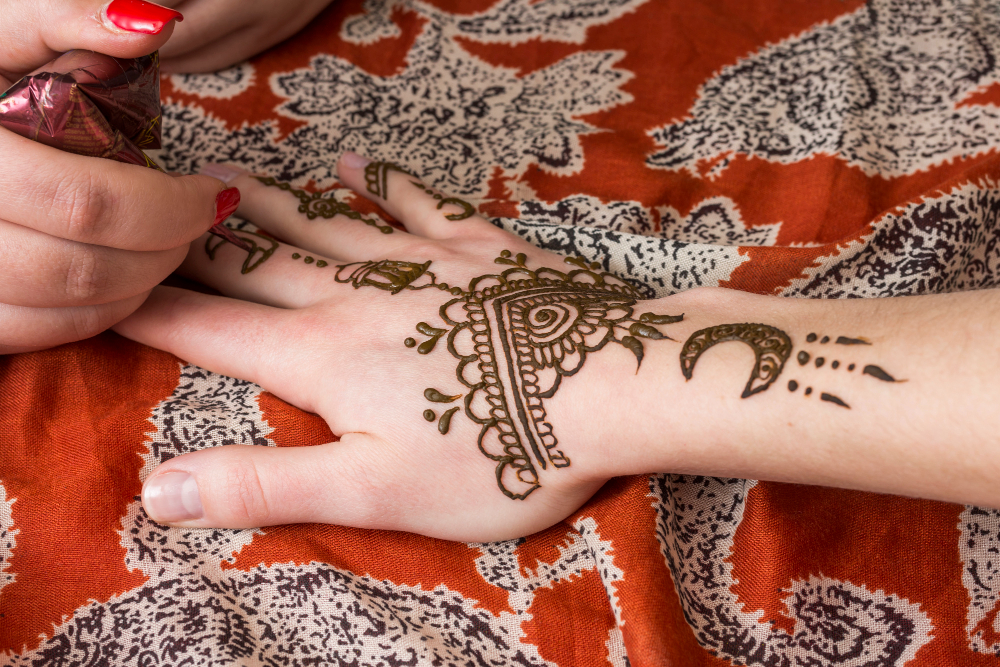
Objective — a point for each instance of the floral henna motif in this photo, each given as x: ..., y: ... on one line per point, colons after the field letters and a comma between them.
x: 515, y: 335
x: 315, y: 205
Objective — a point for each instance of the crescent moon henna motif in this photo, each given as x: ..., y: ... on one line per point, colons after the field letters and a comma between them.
x: 514, y: 336
x: 771, y: 346
x: 468, y: 210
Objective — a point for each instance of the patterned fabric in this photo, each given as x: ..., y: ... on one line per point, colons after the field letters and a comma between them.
x: 829, y: 149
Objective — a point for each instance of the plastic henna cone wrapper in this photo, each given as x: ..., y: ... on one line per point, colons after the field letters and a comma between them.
x: 94, y: 105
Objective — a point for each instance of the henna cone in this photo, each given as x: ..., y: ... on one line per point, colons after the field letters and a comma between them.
x: 95, y: 105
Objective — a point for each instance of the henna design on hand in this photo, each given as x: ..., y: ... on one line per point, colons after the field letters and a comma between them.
x: 377, y: 177
x: 468, y: 210
x: 377, y: 183
x: 309, y: 259
x: 804, y: 358
x: 315, y: 205
x: 515, y: 335
x: 771, y: 346
x: 257, y: 243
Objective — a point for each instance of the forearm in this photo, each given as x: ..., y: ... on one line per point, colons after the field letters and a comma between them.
x: 910, y: 410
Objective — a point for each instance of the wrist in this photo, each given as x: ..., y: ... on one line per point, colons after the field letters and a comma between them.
x: 618, y: 416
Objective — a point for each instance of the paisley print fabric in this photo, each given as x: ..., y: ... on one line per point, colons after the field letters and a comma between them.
x: 830, y: 149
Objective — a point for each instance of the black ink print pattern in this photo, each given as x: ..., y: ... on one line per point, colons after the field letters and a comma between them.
x: 852, y: 96
x: 836, y: 622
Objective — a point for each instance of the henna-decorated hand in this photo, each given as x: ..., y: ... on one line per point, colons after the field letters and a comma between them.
x: 484, y: 388
x: 433, y: 352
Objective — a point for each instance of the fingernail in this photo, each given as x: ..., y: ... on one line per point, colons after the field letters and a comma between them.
x: 226, y: 203
x: 171, y: 497
x: 141, y: 16
x: 224, y: 173
x: 354, y: 161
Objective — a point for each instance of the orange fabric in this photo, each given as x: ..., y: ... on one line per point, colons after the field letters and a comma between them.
x: 830, y: 149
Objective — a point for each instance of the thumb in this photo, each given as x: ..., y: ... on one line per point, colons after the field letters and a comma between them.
x: 239, y: 486
x: 34, y: 33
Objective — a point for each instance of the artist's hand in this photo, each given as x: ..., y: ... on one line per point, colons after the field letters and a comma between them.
x: 347, y: 343
x: 84, y: 239
x: 220, y: 33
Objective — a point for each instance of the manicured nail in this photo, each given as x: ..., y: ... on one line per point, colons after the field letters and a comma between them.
x: 223, y: 172
x: 141, y: 16
x: 354, y: 161
x: 226, y: 203
x: 171, y: 497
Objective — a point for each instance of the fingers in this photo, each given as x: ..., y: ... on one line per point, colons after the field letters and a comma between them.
x: 273, y: 274
x: 102, y: 202
x: 318, y: 223
x: 34, y: 32
x: 29, y: 329
x: 405, y: 197
x: 245, y: 487
x: 360, y: 481
x: 43, y: 271
x: 226, y: 336
x: 220, y: 33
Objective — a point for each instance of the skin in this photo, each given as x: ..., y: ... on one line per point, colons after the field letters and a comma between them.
x: 218, y: 33
x: 338, y: 351
x: 84, y: 239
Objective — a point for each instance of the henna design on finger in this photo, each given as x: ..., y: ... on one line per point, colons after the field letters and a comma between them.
x: 258, y: 243
x: 468, y: 210
x: 515, y: 335
x: 316, y: 205
x: 309, y: 259
x: 377, y: 177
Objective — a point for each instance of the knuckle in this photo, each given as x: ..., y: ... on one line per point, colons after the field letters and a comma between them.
x: 87, y: 321
x: 87, y: 276
x: 425, y: 247
x: 82, y: 203
x: 243, y: 496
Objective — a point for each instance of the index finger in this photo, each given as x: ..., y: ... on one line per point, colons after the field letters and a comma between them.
x: 103, y: 202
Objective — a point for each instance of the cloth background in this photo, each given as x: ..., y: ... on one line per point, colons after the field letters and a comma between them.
x: 830, y: 149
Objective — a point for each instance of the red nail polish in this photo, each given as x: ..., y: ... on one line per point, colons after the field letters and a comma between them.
x: 226, y: 203
x: 141, y: 16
